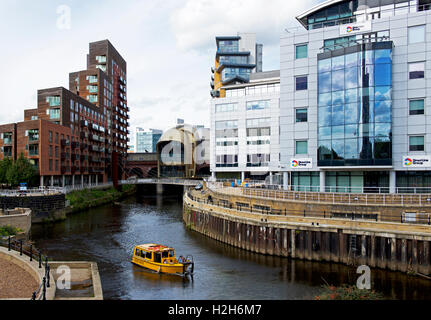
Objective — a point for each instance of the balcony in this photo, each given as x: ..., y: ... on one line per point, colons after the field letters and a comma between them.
x: 84, y: 123
x: 94, y: 137
x: 65, y: 169
x: 65, y: 155
x: 83, y: 135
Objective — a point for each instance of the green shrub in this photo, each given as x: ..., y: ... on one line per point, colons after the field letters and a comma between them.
x: 8, y: 231
x: 348, y: 293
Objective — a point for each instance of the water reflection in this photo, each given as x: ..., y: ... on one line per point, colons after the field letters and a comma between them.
x: 108, y: 234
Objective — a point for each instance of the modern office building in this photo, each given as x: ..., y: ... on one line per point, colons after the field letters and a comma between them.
x: 358, y: 72
x: 236, y: 58
x: 245, y: 141
x: 77, y: 136
x: 146, y: 140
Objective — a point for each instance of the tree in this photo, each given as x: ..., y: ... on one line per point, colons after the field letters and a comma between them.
x: 5, y: 164
x: 21, y: 171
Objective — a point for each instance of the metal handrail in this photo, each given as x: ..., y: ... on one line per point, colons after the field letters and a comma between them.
x: 421, y: 218
x: 18, y: 246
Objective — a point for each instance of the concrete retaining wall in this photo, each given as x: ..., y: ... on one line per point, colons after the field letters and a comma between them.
x: 18, y: 218
x: 43, y: 207
x: 389, y: 246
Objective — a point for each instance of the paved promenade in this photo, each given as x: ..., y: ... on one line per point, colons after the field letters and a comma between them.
x: 15, y: 282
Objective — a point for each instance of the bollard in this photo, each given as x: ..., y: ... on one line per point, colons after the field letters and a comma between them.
x: 40, y: 260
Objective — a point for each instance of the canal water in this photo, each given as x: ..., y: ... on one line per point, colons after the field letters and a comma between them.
x: 107, y: 235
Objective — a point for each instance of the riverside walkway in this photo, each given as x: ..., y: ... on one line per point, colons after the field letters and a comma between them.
x: 15, y: 282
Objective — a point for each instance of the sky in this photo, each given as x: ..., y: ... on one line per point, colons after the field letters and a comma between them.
x: 169, y: 46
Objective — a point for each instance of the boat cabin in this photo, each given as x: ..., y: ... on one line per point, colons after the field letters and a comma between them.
x: 156, y: 253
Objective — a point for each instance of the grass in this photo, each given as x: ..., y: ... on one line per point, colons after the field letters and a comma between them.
x: 91, y: 197
x: 9, y: 231
x: 348, y: 293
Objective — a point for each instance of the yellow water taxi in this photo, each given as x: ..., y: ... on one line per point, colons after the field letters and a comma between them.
x: 162, y: 259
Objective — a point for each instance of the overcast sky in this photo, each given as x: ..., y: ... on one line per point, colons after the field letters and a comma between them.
x: 169, y: 46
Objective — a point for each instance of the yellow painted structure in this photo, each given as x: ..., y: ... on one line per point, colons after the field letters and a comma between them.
x: 160, y: 259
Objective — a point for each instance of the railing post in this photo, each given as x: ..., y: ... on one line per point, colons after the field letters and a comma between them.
x: 48, y: 268
x: 8, y: 244
x: 40, y: 260
x: 44, y: 288
x: 31, y: 252
x: 20, y: 247
x: 33, y: 296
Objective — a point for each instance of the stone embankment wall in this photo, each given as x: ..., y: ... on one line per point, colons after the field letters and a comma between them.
x: 43, y: 207
x: 394, y: 246
x: 17, y: 218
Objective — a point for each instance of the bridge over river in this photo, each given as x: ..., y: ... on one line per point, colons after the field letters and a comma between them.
x: 163, y: 181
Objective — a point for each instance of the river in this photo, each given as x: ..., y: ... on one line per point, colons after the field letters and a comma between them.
x: 107, y: 235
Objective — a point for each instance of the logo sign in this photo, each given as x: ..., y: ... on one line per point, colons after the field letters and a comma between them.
x: 416, y: 161
x: 355, y: 28
x: 301, y: 163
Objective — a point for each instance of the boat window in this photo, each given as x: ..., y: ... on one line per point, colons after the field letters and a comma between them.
x: 143, y: 254
x: 138, y: 252
x: 157, y: 257
x: 165, y: 254
x: 171, y: 254
x: 148, y: 255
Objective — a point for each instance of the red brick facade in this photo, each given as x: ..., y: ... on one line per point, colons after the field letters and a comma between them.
x: 73, y: 136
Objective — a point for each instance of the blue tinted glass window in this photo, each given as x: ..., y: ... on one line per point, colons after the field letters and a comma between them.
x: 351, y: 149
x: 338, y: 132
x: 325, y: 82
x: 368, y: 57
x: 338, y: 80
x: 383, y: 111
x: 383, y: 56
x: 352, y: 60
x: 325, y: 133
x: 366, y: 130
x: 383, y: 74
x: 301, y: 51
x: 337, y: 115
x: 337, y: 97
x: 338, y: 148
x: 351, y: 78
x: 382, y: 130
x: 351, y: 113
x: 324, y: 65
x: 351, y: 131
x: 325, y: 99
x: 325, y: 115
x: 338, y: 63
x: 367, y: 76
x: 351, y: 96
x: 301, y: 83
x: 383, y: 93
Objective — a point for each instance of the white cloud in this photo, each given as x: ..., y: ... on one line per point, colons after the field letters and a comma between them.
x: 199, y: 21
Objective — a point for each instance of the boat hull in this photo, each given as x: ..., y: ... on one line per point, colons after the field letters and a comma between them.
x: 159, y: 267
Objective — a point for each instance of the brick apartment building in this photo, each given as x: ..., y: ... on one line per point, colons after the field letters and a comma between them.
x: 77, y: 136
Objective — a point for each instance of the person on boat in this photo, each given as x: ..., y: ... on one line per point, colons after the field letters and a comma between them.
x: 181, y: 259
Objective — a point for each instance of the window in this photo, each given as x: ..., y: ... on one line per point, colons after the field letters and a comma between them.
x: 50, y: 137
x: 50, y: 164
x: 54, y: 113
x: 226, y: 107
x: 417, y: 70
x: 416, y: 106
x: 50, y: 151
x: 53, y: 101
x: 7, y: 138
x: 416, y: 34
x: 301, y: 83
x: 301, y: 115
x: 417, y: 143
x: 33, y: 150
x: 56, y: 137
x: 34, y: 118
x: 301, y: 147
x: 301, y: 51
x: 258, y: 105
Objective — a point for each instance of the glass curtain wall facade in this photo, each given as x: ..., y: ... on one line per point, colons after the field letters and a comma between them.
x: 355, y: 106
